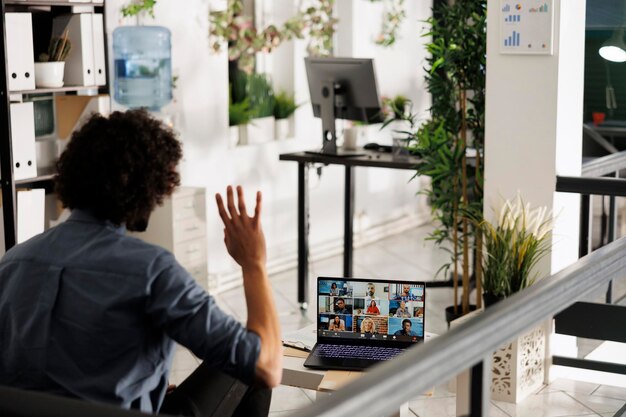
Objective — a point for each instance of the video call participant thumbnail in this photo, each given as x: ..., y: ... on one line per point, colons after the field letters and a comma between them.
x: 335, y: 323
x: 413, y: 327
x: 341, y: 306
x: 407, y: 292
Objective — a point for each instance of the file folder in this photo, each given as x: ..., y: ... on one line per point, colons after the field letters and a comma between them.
x: 98, y: 49
x: 20, y: 55
x: 23, y: 140
x: 30, y: 213
x: 79, y: 65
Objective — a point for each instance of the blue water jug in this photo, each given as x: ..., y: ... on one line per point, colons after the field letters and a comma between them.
x: 143, y: 66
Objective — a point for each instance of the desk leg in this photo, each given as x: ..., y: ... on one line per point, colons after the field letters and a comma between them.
x: 403, y: 411
x: 303, y: 235
x: 348, y: 222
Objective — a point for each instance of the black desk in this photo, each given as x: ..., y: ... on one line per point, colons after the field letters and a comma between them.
x: 370, y: 159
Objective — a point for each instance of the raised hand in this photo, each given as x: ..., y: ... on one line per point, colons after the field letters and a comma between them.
x: 243, y: 234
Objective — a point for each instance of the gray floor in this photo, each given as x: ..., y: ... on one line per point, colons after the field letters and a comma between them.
x: 407, y: 256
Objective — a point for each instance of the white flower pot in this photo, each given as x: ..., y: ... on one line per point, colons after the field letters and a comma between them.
x: 260, y: 130
x: 519, y: 367
x: 282, y: 129
x: 233, y: 136
x: 49, y: 74
x: 243, y: 134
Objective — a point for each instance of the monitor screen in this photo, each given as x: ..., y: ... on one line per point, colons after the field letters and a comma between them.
x: 356, y: 90
x: 361, y: 309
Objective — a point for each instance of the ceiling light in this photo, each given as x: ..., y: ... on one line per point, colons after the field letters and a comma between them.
x: 614, y: 49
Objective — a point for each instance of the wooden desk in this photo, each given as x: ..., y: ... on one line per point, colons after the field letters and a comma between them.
x: 369, y: 159
x: 296, y: 375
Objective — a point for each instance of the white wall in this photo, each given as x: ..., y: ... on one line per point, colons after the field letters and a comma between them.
x: 201, y: 113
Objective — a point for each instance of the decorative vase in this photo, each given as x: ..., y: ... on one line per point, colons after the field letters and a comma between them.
x: 517, y: 370
x: 49, y: 74
x: 519, y: 367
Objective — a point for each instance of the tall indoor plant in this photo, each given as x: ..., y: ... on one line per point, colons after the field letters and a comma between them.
x: 456, y: 81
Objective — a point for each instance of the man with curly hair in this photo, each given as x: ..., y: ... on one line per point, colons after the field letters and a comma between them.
x: 87, y: 311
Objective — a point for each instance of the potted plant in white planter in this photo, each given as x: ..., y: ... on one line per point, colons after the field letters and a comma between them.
x: 284, y: 107
x: 238, y: 119
x: 399, y: 117
x: 261, y: 97
x: 51, y: 66
x: 512, y: 247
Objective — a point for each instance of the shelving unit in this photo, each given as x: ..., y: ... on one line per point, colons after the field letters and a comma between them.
x: 45, y: 177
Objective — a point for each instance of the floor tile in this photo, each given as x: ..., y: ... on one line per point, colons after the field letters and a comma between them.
x: 285, y: 398
x: 599, y: 404
x: 611, y: 392
x: 444, y: 407
x: 567, y: 385
x: 551, y: 404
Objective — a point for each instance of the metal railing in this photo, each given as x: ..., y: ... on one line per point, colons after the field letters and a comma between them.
x: 393, y: 383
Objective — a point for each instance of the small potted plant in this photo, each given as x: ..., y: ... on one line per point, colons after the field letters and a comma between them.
x: 513, y: 246
x: 51, y: 66
x: 261, y: 98
x: 284, y: 107
x: 238, y: 119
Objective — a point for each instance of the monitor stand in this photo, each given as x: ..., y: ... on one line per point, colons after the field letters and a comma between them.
x: 331, y: 91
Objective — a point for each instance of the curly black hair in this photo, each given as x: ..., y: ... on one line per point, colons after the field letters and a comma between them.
x: 119, y: 168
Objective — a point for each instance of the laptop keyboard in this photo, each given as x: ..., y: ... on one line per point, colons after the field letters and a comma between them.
x: 375, y: 353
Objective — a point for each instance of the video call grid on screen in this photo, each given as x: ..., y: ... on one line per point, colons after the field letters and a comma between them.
x: 366, y: 309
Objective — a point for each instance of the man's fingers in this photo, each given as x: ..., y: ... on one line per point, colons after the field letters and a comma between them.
x: 222, y: 210
x: 234, y: 215
x: 242, y: 203
x: 257, y: 209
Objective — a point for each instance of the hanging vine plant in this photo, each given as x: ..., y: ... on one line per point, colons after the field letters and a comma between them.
x: 315, y: 22
x: 244, y: 40
x: 393, y: 17
x: 139, y: 6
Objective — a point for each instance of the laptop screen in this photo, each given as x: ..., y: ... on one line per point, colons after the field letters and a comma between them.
x: 360, y: 309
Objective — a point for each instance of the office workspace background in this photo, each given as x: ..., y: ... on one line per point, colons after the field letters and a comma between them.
x: 386, y: 200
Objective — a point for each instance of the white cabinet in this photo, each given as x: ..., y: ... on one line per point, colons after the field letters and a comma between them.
x: 180, y: 227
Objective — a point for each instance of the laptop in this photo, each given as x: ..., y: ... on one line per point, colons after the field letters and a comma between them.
x: 362, y: 322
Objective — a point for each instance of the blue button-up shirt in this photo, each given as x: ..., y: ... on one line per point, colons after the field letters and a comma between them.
x: 89, y: 312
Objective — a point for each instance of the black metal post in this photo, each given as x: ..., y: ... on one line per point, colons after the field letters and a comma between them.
x: 6, y: 155
x: 480, y: 388
x: 348, y: 222
x: 584, y: 246
x: 303, y: 235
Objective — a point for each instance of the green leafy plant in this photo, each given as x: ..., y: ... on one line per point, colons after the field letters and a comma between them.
x: 513, y: 246
x: 58, y: 49
x: 261, y: 96
x: 284, y: 105
x: 239, y: 113
x: 456, y: 81
x: 139, y: 6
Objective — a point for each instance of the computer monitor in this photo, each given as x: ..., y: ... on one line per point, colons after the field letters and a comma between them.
x: 342, y: 88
